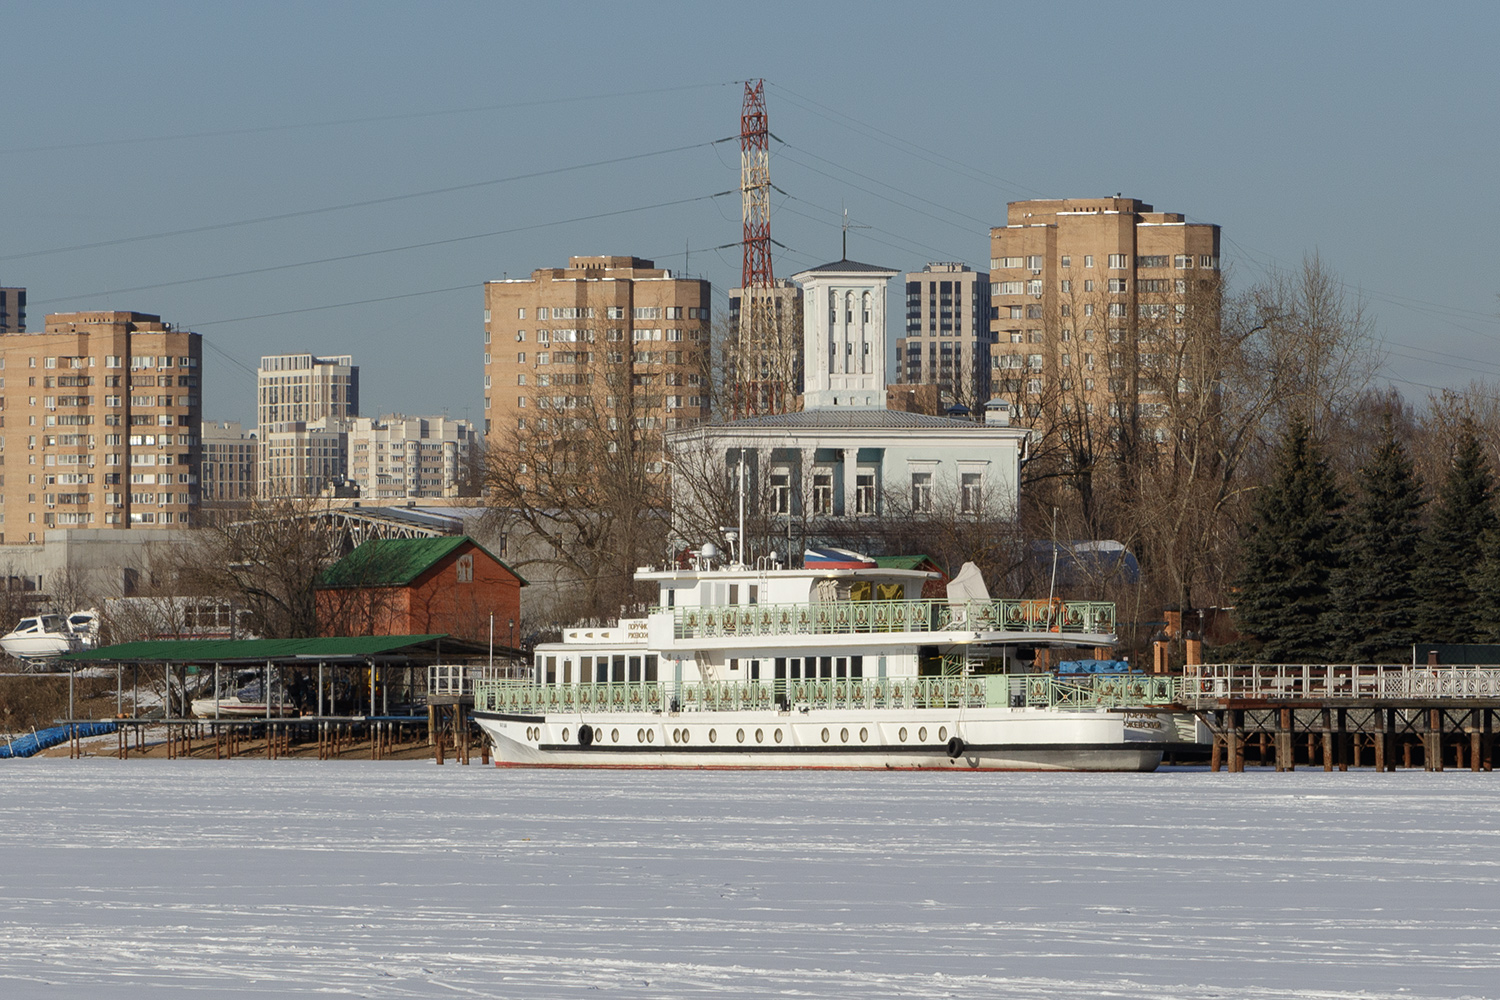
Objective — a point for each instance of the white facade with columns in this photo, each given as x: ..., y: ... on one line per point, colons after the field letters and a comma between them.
x: 844, y: 334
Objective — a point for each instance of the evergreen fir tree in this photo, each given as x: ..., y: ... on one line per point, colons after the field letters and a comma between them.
x: 1449, y: 560
x: 1290, y: 553
x: 1375, y: 594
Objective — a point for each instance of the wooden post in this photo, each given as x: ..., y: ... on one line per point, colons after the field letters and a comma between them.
x: 1380, y: 741
x: 1327, y: 720
x: 1235, y: 745
x: 1434, y: 753
x: 1343, y: 739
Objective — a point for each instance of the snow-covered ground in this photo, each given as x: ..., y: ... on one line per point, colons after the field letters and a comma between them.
x: 152, y: 879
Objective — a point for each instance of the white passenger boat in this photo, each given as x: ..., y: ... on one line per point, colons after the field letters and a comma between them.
x: 820, y: 667
x: 41, y: 637
x: 244, y: 697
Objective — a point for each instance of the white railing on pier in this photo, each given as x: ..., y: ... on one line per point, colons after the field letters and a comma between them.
x: 1214, y: 682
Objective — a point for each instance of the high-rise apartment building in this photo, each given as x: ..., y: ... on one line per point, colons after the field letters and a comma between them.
x: 305, y: 387
x: 575, y: 340
x: 303, y: 403
x: 12, y: 310
x: 229, y: 462
x: 763, y: 365
x: 298, y: 458
x: 948, y: 336
x: 1091, y: 296
x: 396, y: 456
x: 101, y: 422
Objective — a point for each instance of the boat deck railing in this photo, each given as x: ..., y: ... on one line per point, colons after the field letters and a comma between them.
x: 976, y: 691
x: 847, y: 617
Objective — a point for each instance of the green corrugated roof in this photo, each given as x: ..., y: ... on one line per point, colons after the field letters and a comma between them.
x: 257, y: 650
x: 396, y: 562
x: 903, y: 562
x: 389, y: 562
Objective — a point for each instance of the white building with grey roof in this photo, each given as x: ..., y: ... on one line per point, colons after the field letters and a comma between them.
x: 844, y: 456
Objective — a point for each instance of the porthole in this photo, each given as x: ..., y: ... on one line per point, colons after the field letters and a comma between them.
x: 778, y: 736
x: 922, y: 735
x: 864, y: 735
x: 650, y: 736
x: 943, y: 735
x: 844, y: 735
x: 740, y: 735
x: 760, y: 736
x: 684, y: 736
x: 825, y: 736
x: 614, y: 735
x: 565, y: 736
x: 640, y: 736
x: 713, y: 736
x: 902, y: 734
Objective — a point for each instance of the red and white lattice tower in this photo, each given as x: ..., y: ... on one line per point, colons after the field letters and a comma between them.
x: 755, y: 187
x: 756, y: 386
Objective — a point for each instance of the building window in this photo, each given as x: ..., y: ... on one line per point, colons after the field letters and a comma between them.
x: 1117, y: 285
x: 465, y: 568
x: 1155, y: 261
x: 1066, y: 261
x: 1067, y: 286
x: 969, y: 493
x: 1119, y: 261
x: 1182, y: 261
x: 1034, y: 262
x: 864, y: 493
x: 1034, y: 286
x: 781, y: 493
x: 822, y: 492
x: 921, y: 492
x: 1088, y: 260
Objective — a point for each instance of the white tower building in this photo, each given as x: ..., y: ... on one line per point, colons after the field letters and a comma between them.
x: 844, y: 334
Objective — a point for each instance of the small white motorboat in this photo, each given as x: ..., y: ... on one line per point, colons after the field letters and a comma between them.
x: 41, y: 637
x: 85, y: 625
x: 245, y: 700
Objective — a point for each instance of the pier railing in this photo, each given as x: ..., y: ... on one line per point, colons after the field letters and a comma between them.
x: 848, y: 617
x: 1286, y: 681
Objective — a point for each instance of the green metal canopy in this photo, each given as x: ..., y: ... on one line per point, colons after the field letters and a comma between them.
x: 262, y: 650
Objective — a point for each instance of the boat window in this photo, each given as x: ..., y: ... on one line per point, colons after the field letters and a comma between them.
x: 601, y: 670
x: 635, y: 669
x: 617, y: 674
x: 585, y: 668
x: 857, y: 667
x: 755, y: 670
x: 551, y: 670
x: 841, y: 667
x: 781, y: 668
x: 567, y: 673
x: 651, y: 668
x: 671, y: 597
x: 890, y: 591
x: 825, y: 668
x: 754, y: 593
x: 734, y: 593
x: 860, y: 590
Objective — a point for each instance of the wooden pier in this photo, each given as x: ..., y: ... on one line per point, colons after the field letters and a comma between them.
x: 1343, y: 716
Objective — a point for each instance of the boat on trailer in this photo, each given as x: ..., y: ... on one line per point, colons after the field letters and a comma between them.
x: 842, y: 666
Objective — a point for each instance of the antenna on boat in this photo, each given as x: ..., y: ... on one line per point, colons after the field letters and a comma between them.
x: 741, y: 560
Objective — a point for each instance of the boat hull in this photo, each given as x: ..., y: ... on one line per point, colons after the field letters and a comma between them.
x: 988, y: 740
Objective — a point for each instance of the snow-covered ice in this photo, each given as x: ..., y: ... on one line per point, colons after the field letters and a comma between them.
x: 152, y: 879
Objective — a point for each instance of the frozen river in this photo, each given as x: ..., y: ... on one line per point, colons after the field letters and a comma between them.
x: 152, y: 879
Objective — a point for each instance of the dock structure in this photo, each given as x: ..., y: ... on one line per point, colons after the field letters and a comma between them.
x: 1343, y: 716
x: 335, y: 692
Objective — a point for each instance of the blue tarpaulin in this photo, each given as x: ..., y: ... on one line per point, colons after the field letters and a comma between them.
x: 1094, y: 667
x: 36, y: 742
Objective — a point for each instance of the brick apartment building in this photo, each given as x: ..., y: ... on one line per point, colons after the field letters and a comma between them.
x: 100, y: 415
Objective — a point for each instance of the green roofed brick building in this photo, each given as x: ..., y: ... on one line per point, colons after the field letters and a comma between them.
x: 408, y: 586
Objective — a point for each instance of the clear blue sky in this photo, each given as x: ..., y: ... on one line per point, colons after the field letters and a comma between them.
x: 1366, y: 132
